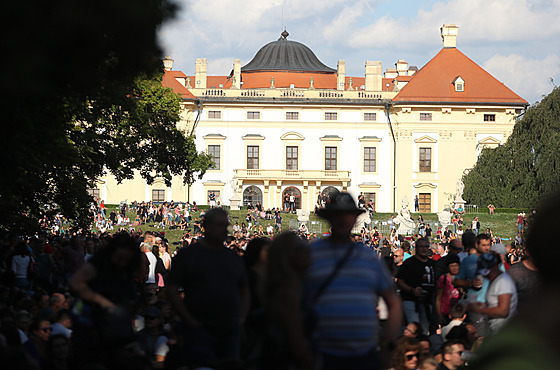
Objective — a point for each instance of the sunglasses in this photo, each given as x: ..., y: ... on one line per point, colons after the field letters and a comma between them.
x: 410, y: 357
x: 46, y: 330
x: 459, y: 352
x: 410, y: 331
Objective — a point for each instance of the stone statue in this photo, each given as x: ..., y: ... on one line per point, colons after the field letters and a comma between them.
x: 234, y: 184
x: 444, y: 217
x: 235, y: 200
x: 302, y: 215
x: 460, y: 187
x: 404, y: 220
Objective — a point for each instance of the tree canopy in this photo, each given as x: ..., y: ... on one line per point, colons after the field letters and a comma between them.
x: 82, y: 94
x: 526, y: 169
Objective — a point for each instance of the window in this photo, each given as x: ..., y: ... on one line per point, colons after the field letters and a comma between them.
x: 369, y: 160
x: 370, y: 116
x: 251, y: 196
x: 292, y: 116
x: 370, y: 197
x: 158, y: 195
x: 425, y: 202
x: 425, y: 160
x: 330, y: 116
x: 252, y: 157
x: 94, y: 193
x: 425, y: 116
x: 214, y: 114
x: 459, y: 87
x: 489, y: 118
x: 330, y: 158
x: 253, y: 115
x: 214, y: 151
x: 291, y: 157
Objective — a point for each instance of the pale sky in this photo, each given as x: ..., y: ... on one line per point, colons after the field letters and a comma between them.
x: 515, y: 40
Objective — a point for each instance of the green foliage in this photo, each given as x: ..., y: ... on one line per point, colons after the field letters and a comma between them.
x: 82, y: 94
x: 526, y: 169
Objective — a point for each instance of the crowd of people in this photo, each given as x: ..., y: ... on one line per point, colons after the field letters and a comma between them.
x: 228, y: 297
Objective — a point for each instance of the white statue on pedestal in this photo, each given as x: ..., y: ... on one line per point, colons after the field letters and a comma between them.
x: 235, y: 200
x: 460, y: 187
x: 234, y: 185
x: 444, y: 217
x: 404, y: 220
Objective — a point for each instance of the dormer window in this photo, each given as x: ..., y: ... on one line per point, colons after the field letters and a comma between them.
x: 459, y: 84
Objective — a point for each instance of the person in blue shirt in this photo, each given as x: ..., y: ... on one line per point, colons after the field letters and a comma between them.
x: 476, y: 286
x: 346, y: 332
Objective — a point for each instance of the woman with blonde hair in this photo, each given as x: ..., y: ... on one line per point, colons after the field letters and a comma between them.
x: 286, y: 346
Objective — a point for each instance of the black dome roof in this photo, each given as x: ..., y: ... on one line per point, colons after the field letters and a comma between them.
x: 284, y: 55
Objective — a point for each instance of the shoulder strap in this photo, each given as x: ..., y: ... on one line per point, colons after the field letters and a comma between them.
x: 333, y: 274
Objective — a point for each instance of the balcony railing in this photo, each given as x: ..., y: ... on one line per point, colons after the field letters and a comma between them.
x: 280, y: 93
x: 267, y: 174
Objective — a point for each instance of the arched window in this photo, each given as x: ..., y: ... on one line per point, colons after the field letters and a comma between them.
x: 296, y: 193
x: 329, y: 190
x: 252, y: 195
x: 326, y: 195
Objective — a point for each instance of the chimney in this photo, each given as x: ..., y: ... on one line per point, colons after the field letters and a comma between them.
x: 237, y: 74
x: 391, y: 73
x: 340, y: 75
x: 402, y: 67
x: 373, y: 75
x: 200, y: 73
x: 449, y: 35
x: 167, y: 63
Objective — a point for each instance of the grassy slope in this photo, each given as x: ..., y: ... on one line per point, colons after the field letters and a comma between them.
x: 502, y: 224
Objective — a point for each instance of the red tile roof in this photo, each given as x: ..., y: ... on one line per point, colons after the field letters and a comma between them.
x: 214, y: 82
x: 285, y: 79
x: 404, y: 78
x: 169, y: 80
x: 434, y: 82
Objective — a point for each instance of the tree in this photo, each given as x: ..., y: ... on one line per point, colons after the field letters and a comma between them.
x: 81, y: 94
x: 526, y: 169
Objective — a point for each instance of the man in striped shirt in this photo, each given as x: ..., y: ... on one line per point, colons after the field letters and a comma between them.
x: 346, y: 332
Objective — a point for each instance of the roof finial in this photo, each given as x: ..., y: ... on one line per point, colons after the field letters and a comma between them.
x: 285, y: 34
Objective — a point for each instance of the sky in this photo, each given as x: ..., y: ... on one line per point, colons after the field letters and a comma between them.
x: 517, y: 41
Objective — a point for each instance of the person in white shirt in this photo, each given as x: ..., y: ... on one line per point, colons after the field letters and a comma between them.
x: 164, y: 253
x: 20, y: 265
x: 501, y: 297
x: 146, y: 248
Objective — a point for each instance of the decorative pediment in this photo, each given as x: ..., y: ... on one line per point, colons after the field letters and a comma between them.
x: 253, y: 137
x: 292, y: 136
x: 370, y: 139
x: 425, y: 185
x: 159, y: 182
x: 369, y: 185
x: 331, y: 138
x: 489, y: 141
x: 214, y: 137
x: 425, y: 140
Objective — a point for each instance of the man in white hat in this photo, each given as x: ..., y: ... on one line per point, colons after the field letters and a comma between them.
x: 342, y: 285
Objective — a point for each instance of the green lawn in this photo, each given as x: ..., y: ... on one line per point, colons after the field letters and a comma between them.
x: 502, y: 224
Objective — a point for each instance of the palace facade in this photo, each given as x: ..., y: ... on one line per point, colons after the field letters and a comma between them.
x: 285, y: 123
